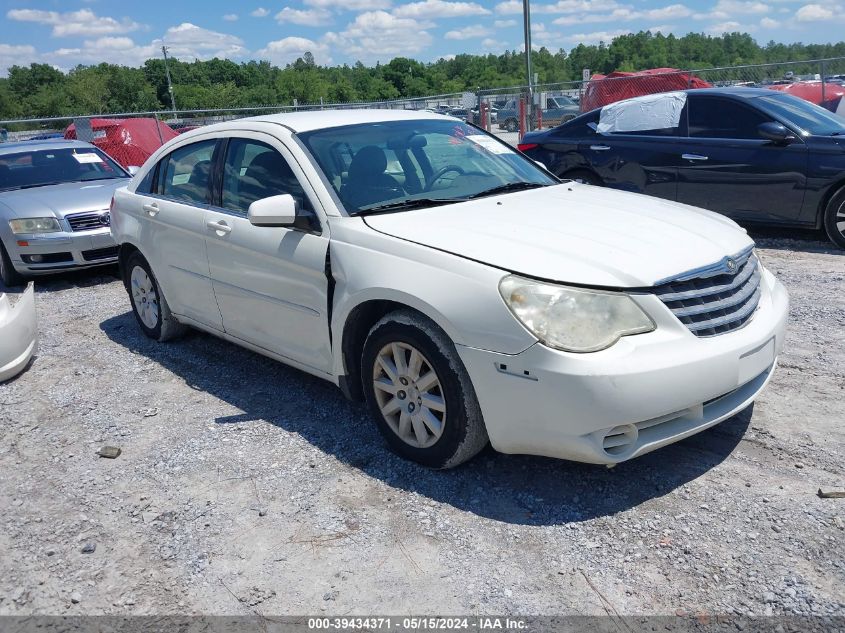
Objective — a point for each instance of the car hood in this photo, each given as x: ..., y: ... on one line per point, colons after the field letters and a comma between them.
x: 60, y: 200
x: 574, y: 233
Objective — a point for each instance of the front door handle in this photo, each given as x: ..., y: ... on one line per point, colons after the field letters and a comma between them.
x: 151, y: 209
x: 693, y: 157
x: 599, y: 148
x: 220, y: 227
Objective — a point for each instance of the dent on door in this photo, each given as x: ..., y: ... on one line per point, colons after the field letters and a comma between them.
x: 271, y: 287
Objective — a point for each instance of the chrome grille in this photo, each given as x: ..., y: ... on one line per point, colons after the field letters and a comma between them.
x: 717, y: 299
x: 88, y: 221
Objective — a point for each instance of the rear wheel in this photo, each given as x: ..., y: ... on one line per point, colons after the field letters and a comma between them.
x: 148, y: 303
x: 585, y: 177
x: 419, y: 393
x: 511, y: 125
x: 8, y: 274
x: 834, y: 218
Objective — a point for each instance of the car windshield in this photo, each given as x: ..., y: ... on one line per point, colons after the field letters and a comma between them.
x: 42, y: 167
x: 399, y: 165
x: 808, y: 116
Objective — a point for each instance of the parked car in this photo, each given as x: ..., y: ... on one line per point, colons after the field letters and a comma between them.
x: 54, y: 207
x: 464, y: 292
x: 18, y: 332
x: 556, y: 110
x: 755, y: 155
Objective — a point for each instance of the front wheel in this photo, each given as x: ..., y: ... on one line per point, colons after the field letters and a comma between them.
x: 834, y: 218
x: 511, y: 125
x: 419, y: 392
x: 8, y: 274
x: 148, y: 303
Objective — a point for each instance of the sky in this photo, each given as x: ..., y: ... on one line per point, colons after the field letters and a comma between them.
x: 65, y: 33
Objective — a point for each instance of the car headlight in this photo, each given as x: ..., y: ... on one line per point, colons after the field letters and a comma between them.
x: 35, y: 225
x: 573, y: 319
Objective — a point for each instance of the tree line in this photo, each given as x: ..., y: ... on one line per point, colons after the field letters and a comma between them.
x: 40, y: 90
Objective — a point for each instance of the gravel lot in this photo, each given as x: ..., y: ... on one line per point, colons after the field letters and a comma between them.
x: 248, y: 487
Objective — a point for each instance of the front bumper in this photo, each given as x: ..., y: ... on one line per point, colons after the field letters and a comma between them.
x: 646, y: 391
x: 18, y: 333
x: 61, y: 251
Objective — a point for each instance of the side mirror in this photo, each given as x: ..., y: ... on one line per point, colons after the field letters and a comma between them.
x: 273, y: 211
x: 775, y: 132
x: 133, y: 169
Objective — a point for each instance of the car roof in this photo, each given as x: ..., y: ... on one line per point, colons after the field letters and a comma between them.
x: 742, y: 92
x: 46, y: 144
x: 319, y: 119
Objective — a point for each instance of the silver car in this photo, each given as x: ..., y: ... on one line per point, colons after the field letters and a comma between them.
x: 54, y: 207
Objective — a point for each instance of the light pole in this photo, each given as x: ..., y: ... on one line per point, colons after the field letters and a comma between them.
x: 526, y: 17
x: 169, y: 84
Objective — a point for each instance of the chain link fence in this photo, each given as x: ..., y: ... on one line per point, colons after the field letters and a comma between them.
x: 508, y: 112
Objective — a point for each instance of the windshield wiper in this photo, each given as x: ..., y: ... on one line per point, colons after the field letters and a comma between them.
x: 405, y: 205
x: 511, y: 186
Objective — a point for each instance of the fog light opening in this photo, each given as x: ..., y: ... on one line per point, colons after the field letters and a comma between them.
x: 619, y: 439
x: 36, y: 259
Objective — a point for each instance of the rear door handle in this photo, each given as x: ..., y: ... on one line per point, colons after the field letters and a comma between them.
x: 599, y: 148
x: 151, y: 208
x: 220, y: 227
x: 693, y: 157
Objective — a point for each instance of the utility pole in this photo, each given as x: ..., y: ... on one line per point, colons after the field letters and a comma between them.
x: 526, y: 15
x: 169, y: 84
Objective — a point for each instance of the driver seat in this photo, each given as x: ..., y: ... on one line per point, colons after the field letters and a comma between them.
x: 367, y: 182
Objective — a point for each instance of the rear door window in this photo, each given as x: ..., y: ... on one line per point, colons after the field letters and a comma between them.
x: 185, y: 174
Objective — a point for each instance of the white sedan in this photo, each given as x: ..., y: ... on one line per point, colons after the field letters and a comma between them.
x: 463, y: 291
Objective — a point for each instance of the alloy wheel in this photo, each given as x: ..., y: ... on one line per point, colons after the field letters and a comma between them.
x: 409, y: 394
x: 144, y: 297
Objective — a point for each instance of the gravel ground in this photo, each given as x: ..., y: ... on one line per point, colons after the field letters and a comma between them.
x: 247, y: 487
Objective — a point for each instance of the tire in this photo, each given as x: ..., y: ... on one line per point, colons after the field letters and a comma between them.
x: 8, y: 274
x: 511, y: 125
x: 148, y: 303
x: 585, y: 177
x: 834, y: 218
x: 444, y: 435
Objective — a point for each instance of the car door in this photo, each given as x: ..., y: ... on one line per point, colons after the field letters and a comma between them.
x: 270, y: 282
x: 726, y: 166
x: 172, y: 204
x: 642, y: 161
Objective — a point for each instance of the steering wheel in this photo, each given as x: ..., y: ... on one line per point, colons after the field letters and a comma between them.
x: 442, y: 172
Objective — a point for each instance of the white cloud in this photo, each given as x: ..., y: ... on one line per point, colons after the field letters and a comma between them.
x: 512, y: 7
x: 260, y: 12
x: 814, y: 13
x: 189, y: 41
x: 468, y: 32
x: 305, y: 17
x: 439, y: 9
x: 725, y: 27
x: 726, y: 9
x: 378, y: 35
x: 490, y: 44
x: 83, y: 22
x: 12, y: 55
x: 595, y: 37
x: 287, y: 50
x: 626, y: 14
x: 350, y: 5
x: 503, y: 24
x: 231, y: 17
x: 769, y: 23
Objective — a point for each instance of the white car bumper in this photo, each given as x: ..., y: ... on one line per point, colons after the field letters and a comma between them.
x: 644, y: 392
x: 18, y: 333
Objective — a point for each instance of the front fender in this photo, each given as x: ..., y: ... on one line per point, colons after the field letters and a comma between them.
x: 459, y: 295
